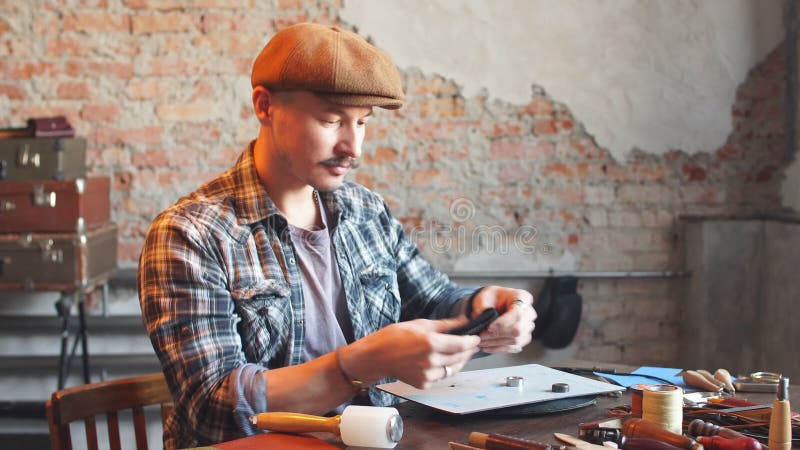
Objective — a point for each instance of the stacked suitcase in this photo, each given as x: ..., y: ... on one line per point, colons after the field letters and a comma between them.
x: 56, y: 232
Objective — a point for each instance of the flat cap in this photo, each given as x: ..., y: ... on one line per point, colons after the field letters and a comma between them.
x: 335, y: 64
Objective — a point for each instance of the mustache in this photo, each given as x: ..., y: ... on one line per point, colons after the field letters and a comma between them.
x: 345, y: 161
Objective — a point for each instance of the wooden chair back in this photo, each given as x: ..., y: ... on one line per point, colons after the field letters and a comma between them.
x: 106, y: 398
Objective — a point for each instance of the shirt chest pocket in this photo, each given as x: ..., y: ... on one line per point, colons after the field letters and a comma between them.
x: 265, y: 314
x: 381, y: 295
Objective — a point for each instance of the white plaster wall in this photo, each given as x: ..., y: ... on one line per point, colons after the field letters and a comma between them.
x: 649, y: 74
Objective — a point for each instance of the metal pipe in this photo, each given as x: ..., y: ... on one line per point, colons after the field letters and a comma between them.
x: 575, y: 274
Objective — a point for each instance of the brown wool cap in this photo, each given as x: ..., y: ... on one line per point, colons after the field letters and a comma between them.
x: 338, y: 65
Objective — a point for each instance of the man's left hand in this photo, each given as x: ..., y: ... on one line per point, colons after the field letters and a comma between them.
x: 512, y: 330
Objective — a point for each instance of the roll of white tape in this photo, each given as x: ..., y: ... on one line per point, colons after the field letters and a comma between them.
x: 371, y: 426
x: 662, y: 404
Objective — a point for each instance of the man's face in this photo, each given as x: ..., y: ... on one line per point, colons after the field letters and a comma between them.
x: 316, y: 142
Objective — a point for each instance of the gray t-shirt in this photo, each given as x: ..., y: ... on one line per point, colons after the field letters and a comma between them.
x: 327, y: 322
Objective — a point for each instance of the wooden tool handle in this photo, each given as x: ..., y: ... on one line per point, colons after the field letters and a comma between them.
x: 698, y: 427
x: 288, y: 422
x: 725, y: 377
x: 646, y: 444
x: 721, y: 443
x: 638, y: 428
x: 707, y: 375
x: 502, y: 442
x: 696, y: 379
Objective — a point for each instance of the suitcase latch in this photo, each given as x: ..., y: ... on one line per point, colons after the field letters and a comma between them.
x: 28, y: 158
x: 7, y: 205
x: 42, y: 198
x: 49, y: 254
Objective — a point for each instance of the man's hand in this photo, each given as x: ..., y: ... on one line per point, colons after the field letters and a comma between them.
x: 512, y: 330
x: 418, y: 352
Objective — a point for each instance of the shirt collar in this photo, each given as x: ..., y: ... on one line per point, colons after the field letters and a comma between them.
x: 253, y: 204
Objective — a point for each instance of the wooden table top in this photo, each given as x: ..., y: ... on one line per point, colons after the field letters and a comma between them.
x: 429, y: 429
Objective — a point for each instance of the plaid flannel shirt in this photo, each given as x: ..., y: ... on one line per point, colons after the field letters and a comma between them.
x: 221, y: 294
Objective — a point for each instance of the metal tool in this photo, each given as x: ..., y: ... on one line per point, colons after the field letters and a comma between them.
x: 357, y: 426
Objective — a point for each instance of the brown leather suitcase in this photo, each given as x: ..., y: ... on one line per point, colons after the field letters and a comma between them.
x: 58, y: 261
x: 42, y: 158
x: 53, y: 206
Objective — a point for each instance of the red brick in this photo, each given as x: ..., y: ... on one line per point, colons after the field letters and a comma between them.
x: 167, y: 22
x: 106, y: 112
x: 12, y: 69
x: 439, y: 130
x: 224, y: 157
x: 558, y: 169
x: 765, y: 173
x: 436, y: 86
x: 520, y: 150
x: 151, y: 158
x: 441, y: 107
x: 693, y: 173
x: 149, y: 89
x: 166, y: 66
x: 290, y: 4
x: 185, y: 112
x: 11, y: 91
x: 699, y: 194
x: 99, y: 69
x: 429, y: 178
x: 285, y: 20
x: 193, y: 133
x: 87, y: 45
x: 538, y: 107
x: 588, y: 149
x: 381, y: 155
x: 144, y: 135
x: 436, y: 151
x: 365, y: 179
x: 375, y: 131
x: 514, y: 173
x: 544, y: 127
x: 217, y: 23
x: 228, y: 43
x: 224, y: 4
x: 644, y: 194
x: 503, y: 129
x: 46, y: 23
x: 73, y: 90
x: 599, y: 195
x: 96, y: 22
x: 129, y: 251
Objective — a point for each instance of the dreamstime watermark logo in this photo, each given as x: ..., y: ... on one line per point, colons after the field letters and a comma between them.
x: 464, y: 238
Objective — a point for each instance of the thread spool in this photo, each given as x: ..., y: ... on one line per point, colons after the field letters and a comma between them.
x: 636, y: 399
x: 662, y: 404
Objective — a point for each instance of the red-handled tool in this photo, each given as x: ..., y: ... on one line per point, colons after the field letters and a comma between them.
x: 721, y: 443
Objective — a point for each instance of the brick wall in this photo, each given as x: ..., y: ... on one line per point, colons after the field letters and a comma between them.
x: 160, y: 88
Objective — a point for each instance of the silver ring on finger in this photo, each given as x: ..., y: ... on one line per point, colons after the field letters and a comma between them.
x: 519, y: 302
x: 448, y: 372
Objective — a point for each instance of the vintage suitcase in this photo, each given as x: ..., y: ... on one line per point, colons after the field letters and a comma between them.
x: 52, y: 206
x: 42, y: 159
x: 58, y: 261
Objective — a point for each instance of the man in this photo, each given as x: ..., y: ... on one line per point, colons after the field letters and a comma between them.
x: 278, y: 286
